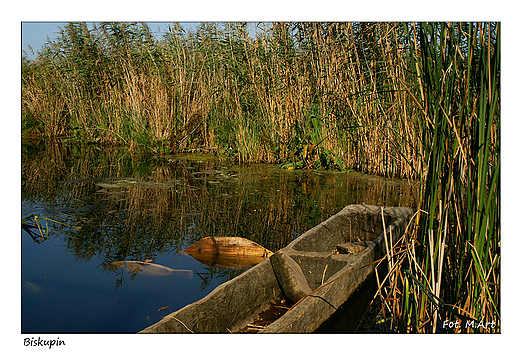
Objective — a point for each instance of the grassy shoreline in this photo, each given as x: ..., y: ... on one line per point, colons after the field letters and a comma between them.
x: 313, y: 95
x: 409, y: 100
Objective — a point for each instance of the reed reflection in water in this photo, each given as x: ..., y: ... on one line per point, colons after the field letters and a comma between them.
x: 123, y: 207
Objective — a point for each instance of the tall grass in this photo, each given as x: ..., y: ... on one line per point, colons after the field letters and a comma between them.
x: 310, y: 94
x: 447, y: 277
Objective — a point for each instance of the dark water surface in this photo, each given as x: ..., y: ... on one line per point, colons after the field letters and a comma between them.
x: 118, y: 206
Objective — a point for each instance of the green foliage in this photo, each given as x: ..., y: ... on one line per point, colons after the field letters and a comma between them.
x: 32, y: 222
x: 455, y: 266
x: 307, y: 149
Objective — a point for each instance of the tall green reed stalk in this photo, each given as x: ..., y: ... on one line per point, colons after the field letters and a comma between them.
x: 449, y: 269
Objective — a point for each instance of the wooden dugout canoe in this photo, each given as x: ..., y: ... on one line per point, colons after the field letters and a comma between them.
x: 327, y: 261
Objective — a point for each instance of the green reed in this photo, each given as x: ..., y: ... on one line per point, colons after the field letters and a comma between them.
x: 449, y: 268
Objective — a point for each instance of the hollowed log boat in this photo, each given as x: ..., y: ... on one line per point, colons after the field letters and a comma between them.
x: 316, y: 274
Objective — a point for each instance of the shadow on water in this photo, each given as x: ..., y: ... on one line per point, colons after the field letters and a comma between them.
x: 118, y: 206
x: 361, y: 312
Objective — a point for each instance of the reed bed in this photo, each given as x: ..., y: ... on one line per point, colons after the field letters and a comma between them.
x: 409, y: 100
x: 445, y: 275
x: 308, y: 94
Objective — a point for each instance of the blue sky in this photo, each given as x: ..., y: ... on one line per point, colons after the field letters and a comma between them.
x: 36, y: 34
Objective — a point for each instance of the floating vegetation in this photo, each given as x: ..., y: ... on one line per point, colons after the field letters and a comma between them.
x: 31, y: 223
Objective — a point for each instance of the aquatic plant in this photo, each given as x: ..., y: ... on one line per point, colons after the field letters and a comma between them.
x: 447, y: 275
x: 220, y: 90
x: 32, y: 222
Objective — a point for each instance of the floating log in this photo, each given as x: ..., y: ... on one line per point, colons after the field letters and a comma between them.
x: 228, y: 252
x: 232, y: 246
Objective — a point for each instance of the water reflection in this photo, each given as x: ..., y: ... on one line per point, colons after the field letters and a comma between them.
x: 120, y: 207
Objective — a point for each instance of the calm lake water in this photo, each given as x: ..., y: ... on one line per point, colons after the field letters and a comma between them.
x: 115, y: 206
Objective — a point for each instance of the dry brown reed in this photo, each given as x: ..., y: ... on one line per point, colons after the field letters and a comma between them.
x: 255, y: 97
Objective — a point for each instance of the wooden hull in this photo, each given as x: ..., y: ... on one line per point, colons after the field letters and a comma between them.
x: 312, y: 263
